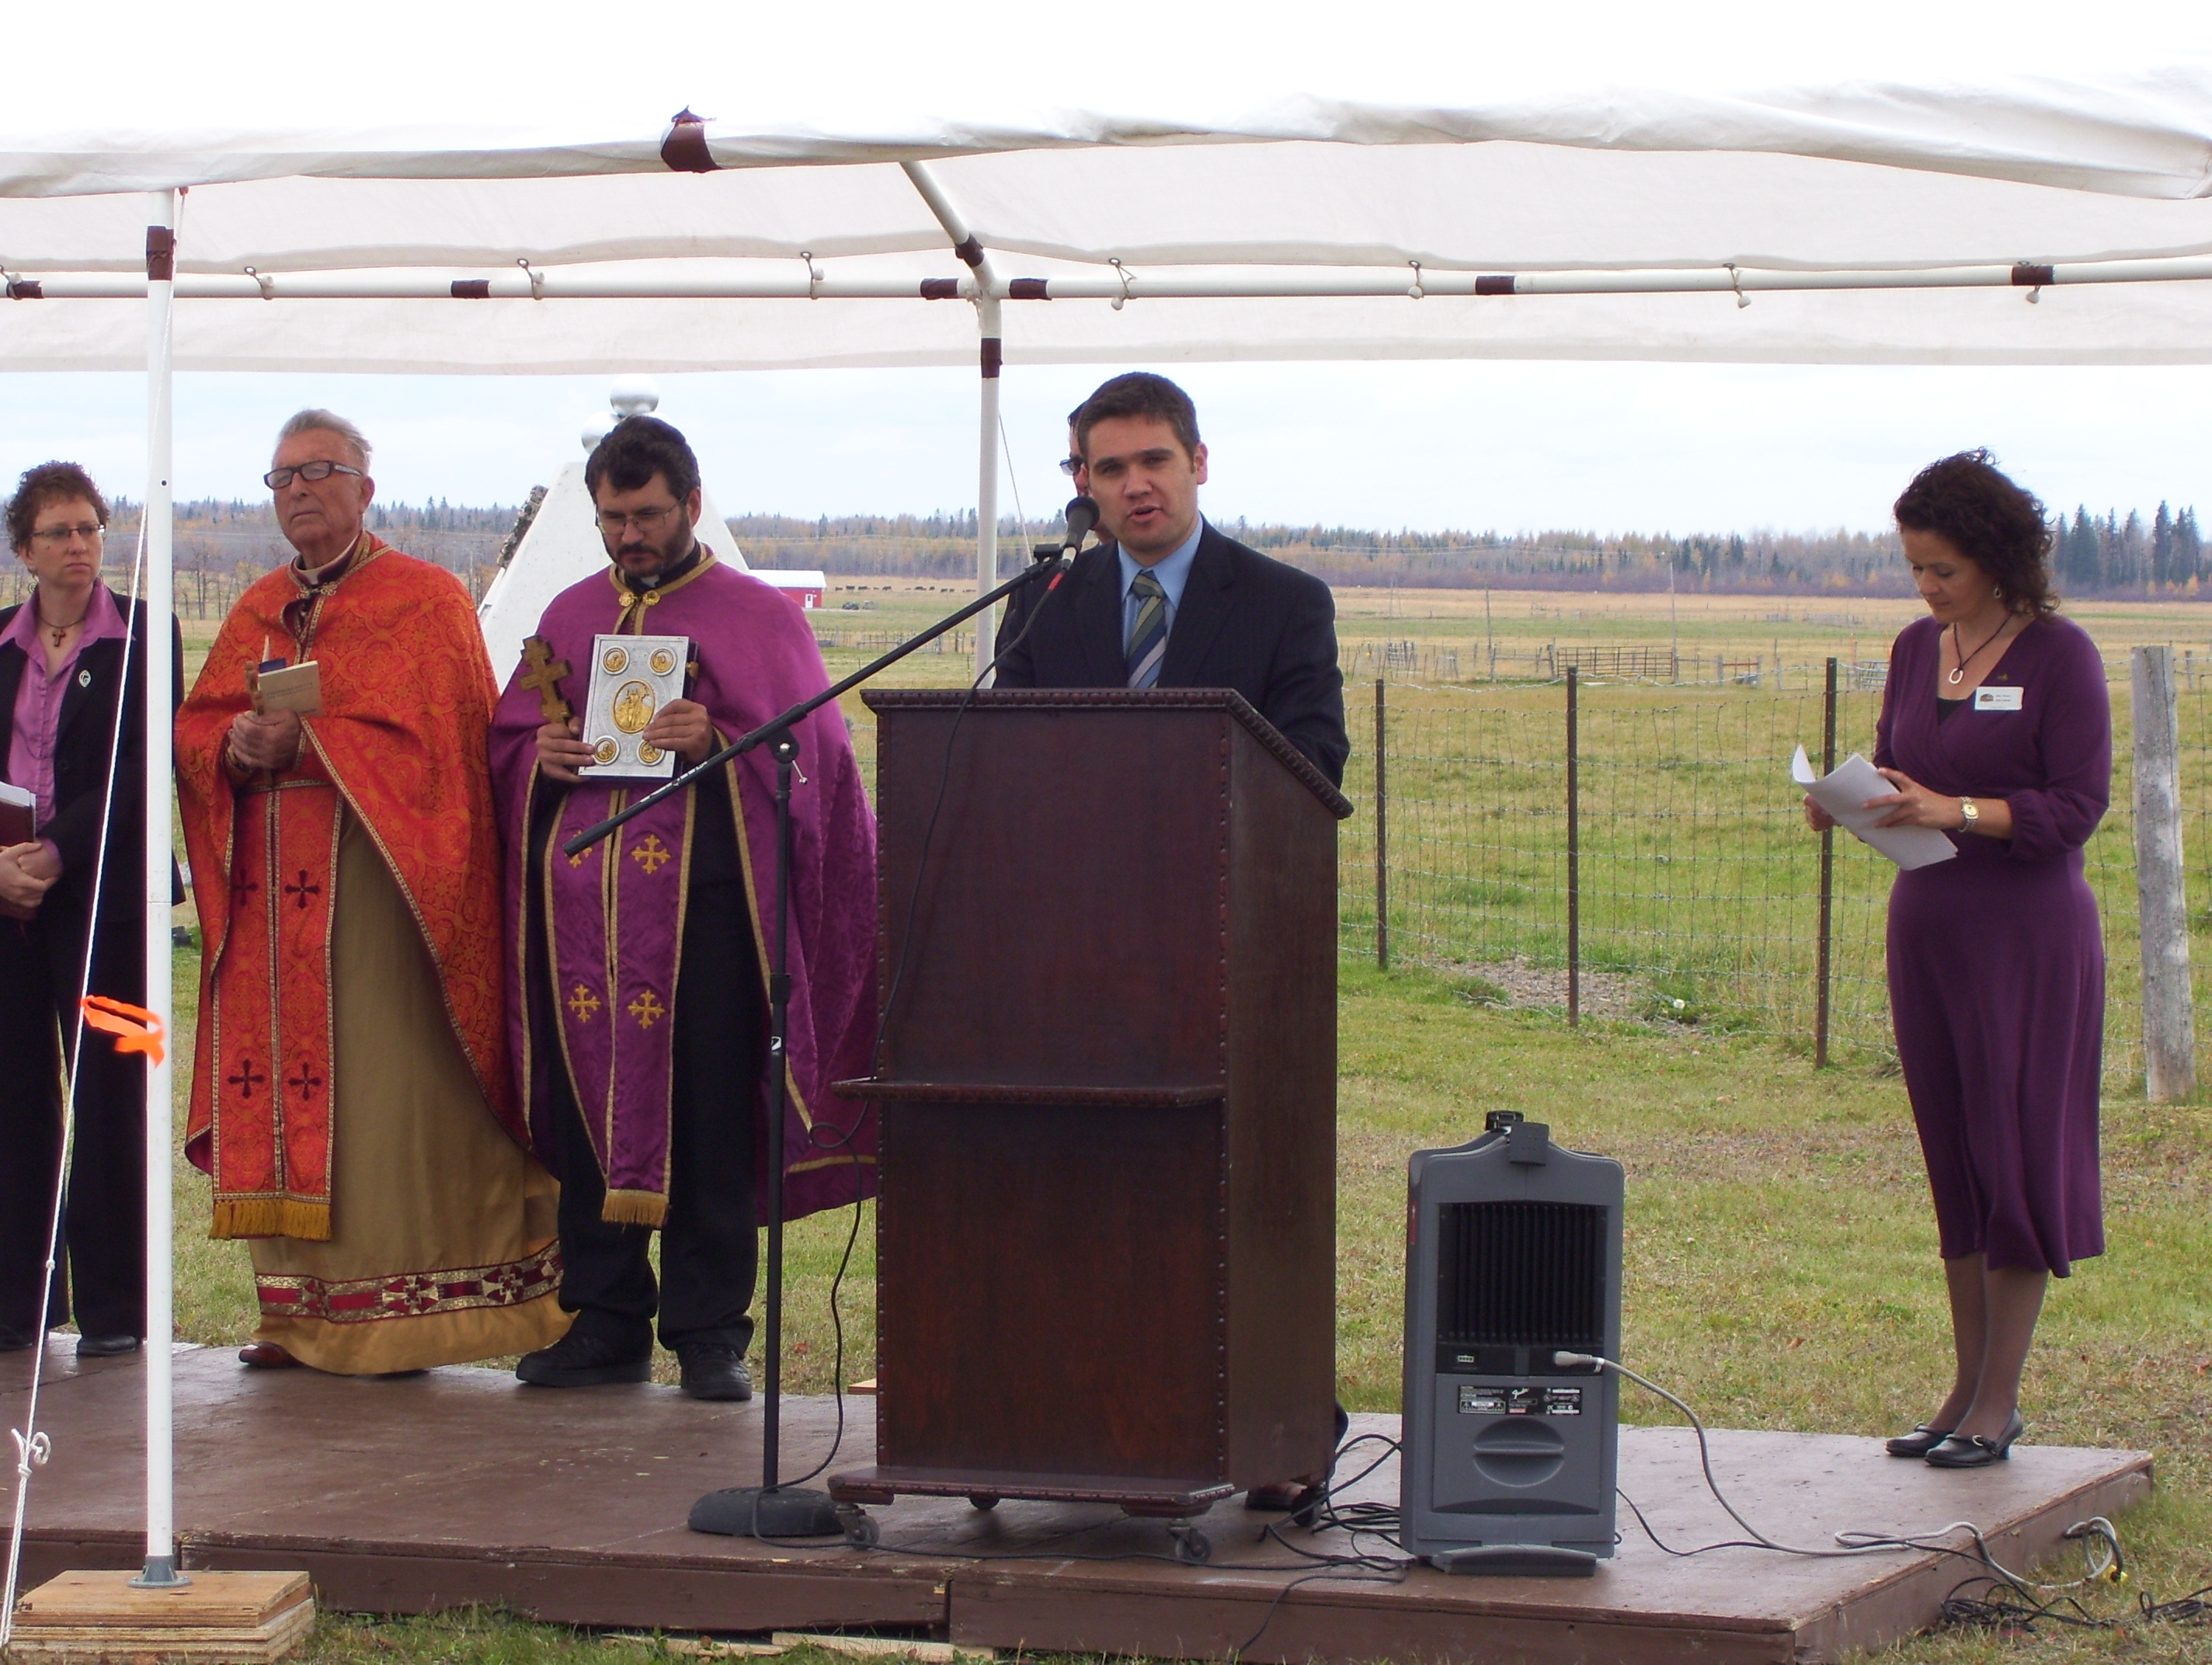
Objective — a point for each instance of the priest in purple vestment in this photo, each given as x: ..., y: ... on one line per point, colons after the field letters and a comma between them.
x: 637, y: 1001
x: 1995, y: 729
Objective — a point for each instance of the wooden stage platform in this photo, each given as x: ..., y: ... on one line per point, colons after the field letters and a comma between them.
x: 412, y: 1493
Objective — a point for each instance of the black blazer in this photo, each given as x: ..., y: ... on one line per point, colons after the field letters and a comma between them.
x: 1264, y: 628
x: 81, y: 766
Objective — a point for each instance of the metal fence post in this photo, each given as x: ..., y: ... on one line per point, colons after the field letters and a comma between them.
x: 2169, y: 1027
x: 1574, y: 856
x: 1382, y: 833
x: 1821, y: 1009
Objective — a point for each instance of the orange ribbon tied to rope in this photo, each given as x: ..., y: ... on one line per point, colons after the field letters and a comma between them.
x: 135, y: 1029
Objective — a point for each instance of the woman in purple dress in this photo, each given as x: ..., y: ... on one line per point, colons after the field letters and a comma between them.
x: 1996, y: 730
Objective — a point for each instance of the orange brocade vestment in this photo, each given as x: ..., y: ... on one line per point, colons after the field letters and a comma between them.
x: 399, y: 746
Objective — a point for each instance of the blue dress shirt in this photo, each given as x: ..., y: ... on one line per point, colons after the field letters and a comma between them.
x: 1173, y: 570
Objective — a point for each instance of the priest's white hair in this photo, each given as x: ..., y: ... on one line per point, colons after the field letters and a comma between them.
x: 327, y: 422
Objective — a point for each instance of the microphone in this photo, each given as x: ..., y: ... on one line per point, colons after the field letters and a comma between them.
x: 1082, y: 516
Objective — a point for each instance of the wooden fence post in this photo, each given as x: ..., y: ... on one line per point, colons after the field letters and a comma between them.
x: 1382, y: 834
x: 1821, y: 1009
x: 1574, y: 855
x: 2169, y: 1026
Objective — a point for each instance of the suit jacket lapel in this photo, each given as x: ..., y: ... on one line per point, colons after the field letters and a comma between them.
x: 102, y: 660
x: 11, y: 679
x: 1099, y: 622
x: 1204, y: 609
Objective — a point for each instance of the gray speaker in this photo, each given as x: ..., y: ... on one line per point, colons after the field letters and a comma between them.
x: 1513, y: 1255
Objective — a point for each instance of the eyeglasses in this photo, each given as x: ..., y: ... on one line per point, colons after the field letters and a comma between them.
x: 278, y: 478
x: 1070, y: 466
x: 645, y: 520
x: 55, y: 536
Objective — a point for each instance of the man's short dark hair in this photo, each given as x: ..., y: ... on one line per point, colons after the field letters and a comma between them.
x: 1140, y: 393
x: 635, y: 450
x: 43, y: 486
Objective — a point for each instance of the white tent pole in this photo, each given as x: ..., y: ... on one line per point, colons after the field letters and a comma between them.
x: 161, y: 1568
x: 985, y: 290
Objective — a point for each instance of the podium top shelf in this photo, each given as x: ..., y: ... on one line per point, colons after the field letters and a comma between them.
x: 1107, y: 699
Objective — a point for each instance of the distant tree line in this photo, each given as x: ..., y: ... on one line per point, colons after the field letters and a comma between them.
x: 2112, y: 555
x: 2115, y: 556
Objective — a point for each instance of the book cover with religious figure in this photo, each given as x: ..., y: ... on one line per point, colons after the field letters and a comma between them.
x: 632, y: 677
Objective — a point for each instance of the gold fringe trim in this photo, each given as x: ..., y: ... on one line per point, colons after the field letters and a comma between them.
x: 633, y: 1208
x: 272, y: 1217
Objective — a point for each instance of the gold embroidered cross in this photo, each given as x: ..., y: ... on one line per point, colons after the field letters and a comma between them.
x: 583, y: 1003
x: 545, y: 675
x: 652, y: 854
x: 647, y: 1009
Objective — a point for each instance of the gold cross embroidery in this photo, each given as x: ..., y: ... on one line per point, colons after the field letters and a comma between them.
x: 652, y: 854
x: 545, y: 675
x: 647, y: 1009
x: 583, y: 1003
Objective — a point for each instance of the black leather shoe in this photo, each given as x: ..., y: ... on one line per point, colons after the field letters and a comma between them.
x: 1924, y: 1439
x: 16, y: 1341
x: 714, y: 1370
x: 580, y: 1359
x: 105, y: 1347
x: 1975, y: 1452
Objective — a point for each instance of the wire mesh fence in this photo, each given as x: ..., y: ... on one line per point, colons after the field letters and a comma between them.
x: 1679, y: 883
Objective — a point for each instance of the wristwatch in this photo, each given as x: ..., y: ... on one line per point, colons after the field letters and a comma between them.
x: 1971, y: 810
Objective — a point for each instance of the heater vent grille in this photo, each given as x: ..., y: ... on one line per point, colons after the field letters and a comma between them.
x: 1526, y: 1274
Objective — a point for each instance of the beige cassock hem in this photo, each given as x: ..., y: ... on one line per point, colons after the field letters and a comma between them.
x: 443, y: 1245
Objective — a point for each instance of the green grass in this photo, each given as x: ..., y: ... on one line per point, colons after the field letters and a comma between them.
x: 1782, y: 1269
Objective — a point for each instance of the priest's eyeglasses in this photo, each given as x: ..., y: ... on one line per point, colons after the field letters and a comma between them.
x: 647, y: 520
x: 278, y: 478
x: 55, y: 537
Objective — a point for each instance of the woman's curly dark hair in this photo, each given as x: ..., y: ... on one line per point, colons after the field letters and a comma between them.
x: 1998, y: 526
x: 49, y: 484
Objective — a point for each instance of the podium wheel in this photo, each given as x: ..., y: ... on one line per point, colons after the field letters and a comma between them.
x: 1192, y: 1547
x: 981, y: 1500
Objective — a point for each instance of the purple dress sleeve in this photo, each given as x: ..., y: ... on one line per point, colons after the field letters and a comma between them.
x: 2076, y: 743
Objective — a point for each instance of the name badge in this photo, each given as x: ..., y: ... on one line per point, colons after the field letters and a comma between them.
x: 1997, y: 699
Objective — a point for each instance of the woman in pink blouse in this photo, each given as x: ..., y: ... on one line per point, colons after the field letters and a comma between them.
x: 72, y: 922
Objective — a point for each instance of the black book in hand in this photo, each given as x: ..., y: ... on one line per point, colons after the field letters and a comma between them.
x: 19, y: 815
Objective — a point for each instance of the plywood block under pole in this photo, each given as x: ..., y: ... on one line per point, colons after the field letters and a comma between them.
x: 218, y: 1617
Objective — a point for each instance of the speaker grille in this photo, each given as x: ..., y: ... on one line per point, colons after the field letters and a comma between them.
x: 1529, y: 1274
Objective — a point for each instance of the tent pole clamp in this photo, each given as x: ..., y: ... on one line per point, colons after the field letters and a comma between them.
x: 537, y: 277
x: 1417, y: 293
x: 1122, y: 273
x: 1735, y: 282
x: 266, y: 285
x: 814, y: 275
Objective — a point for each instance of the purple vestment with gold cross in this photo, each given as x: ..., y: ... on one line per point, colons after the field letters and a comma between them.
x: 598, y: 998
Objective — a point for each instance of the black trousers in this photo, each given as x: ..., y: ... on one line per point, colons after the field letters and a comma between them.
x: 103, y: 1258
x: 709, y: 1245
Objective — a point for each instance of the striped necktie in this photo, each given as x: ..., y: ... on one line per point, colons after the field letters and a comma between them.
x: 1148, y: 635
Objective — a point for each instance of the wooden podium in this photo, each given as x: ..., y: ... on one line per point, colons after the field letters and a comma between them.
x: 1106, y: 1238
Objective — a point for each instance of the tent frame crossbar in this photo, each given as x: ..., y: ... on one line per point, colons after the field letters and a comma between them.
x: 983, y: 284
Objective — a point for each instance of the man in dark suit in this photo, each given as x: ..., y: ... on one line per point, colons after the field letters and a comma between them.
x: 1170, y: 602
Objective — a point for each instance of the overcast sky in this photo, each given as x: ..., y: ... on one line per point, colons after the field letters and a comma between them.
x: 1463, y: 444
x: 1460, y: 444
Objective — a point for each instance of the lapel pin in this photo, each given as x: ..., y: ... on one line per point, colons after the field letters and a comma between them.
x: 84, y: 679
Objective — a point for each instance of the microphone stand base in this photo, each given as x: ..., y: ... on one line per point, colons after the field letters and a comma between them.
x: 755, y: 1511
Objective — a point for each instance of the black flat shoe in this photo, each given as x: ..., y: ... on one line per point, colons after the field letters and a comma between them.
x: 714, y: 1371
x: 1919, y: 1443
x: 1973, y: 1451
x: 105, y: 1347
x: 583, y: 1359
x: 16, y: 1341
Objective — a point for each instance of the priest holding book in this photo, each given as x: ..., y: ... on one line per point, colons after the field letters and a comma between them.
x: 639, y: 964
x: 350, y: 1090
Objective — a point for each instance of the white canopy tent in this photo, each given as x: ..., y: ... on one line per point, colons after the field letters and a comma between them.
x: 1511, y: 213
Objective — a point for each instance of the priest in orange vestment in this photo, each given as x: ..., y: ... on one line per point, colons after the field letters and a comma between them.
x: 350, y: 1092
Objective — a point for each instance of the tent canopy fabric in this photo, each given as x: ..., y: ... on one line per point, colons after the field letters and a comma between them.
x: 1884, y: 179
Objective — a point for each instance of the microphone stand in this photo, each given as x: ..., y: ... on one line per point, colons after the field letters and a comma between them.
x: 771, y: 1510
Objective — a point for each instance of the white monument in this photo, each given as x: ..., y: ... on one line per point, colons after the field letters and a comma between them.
x: 562, y: 543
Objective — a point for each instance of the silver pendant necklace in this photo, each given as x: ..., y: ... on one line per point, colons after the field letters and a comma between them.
x: 1959, y: 671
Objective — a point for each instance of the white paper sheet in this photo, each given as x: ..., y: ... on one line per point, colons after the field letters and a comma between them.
x: 1844, y: 795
